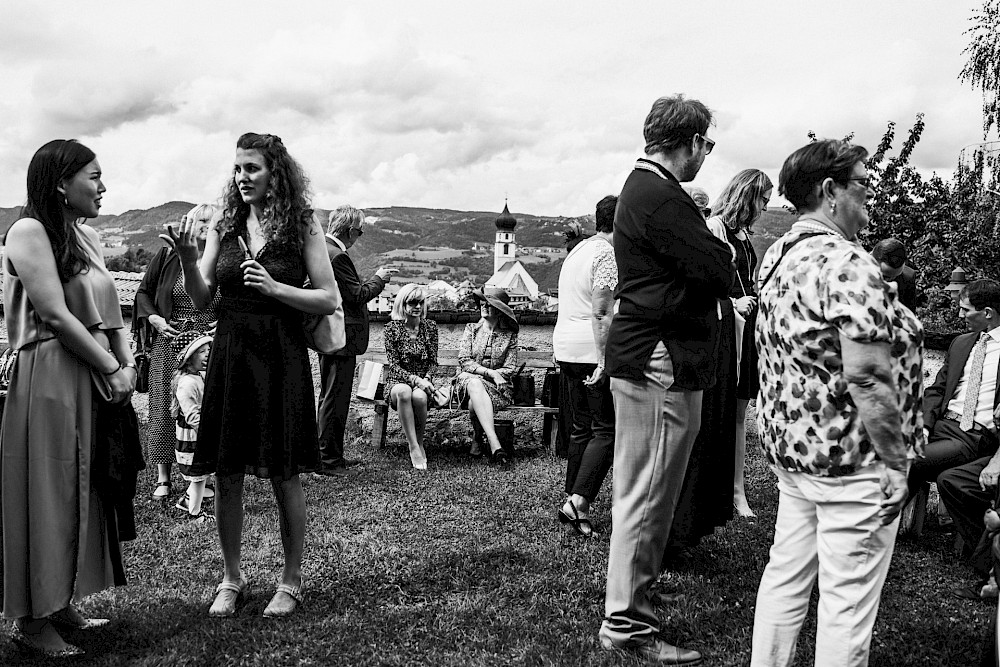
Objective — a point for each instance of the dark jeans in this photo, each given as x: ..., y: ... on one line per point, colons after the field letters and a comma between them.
x: 592, y: 440
x: 336, y: 375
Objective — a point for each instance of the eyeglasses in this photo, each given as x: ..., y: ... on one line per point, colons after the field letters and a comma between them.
x: 359, y: 230
x: 866, y: 181
x: 415, y: 302
x: 709, y: 143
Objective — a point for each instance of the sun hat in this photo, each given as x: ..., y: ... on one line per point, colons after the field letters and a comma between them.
x: 499, y: 299
x: 186, y: 344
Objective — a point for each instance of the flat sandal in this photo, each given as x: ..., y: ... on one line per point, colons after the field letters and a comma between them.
x: 294, y: 592
x: 230, y: 597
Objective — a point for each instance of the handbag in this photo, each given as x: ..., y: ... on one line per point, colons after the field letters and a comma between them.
x: 370, y: 382
x: 325, y: 333
x: 7, y: 360
x: 444, y: 396
x: 550, y: 389
x: 141, y: 366
x: 523, y: 387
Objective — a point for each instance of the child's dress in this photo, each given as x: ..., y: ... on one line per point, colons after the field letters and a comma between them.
x: 190, y: 389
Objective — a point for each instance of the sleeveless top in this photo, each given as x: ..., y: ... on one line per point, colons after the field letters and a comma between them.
x: 283, y: 262
x: 90, y: 295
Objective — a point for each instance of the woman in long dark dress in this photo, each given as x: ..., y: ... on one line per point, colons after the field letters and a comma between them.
x: 163, y: 310
x: 258, y: 414
x: 60, y: 537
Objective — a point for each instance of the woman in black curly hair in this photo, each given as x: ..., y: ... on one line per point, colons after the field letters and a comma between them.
x: 259, y: 411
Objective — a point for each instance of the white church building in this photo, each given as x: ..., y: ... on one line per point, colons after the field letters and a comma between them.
x: 508, y: 273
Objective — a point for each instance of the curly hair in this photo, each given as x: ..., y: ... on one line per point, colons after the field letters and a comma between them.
x: 286, y: 210
x: 738, y: 203
x: 53, y: 163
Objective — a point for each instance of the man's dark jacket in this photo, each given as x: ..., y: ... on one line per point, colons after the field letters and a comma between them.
x: 938, y: 395
x: 356, y: 296
x: 671, y: 271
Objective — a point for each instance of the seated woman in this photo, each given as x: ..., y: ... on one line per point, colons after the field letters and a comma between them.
x: 487, y: 358
x: 411, y: 348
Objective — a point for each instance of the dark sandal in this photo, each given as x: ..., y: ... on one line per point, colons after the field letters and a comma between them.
x: 581, y: 526
x: 157, y: 496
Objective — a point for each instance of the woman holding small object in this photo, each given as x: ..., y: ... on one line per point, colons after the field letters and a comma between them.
x: 487, y: 359
x: 258, y: 415
x: 411, y: 349
x: 163, y: 310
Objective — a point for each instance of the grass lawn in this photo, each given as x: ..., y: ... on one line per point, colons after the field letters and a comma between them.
x: 465, y: 565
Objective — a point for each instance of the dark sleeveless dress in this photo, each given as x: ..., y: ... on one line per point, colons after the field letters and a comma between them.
x: 746, y: 264
x: 259, y: 412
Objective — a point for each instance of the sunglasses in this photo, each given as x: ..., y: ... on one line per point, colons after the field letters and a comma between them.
x: 709, y: 143
x: 866, y: 181
x: 415, y: 302
x: 359, y: 230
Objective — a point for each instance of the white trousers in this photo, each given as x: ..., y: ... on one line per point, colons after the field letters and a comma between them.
x: 827, y: 528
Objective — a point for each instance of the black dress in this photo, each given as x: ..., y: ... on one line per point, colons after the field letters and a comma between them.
x: 746, y: 264
x: 259, y: 412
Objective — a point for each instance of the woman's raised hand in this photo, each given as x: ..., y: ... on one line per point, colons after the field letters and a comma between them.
x: 256, y: 276
x: 184, y: 240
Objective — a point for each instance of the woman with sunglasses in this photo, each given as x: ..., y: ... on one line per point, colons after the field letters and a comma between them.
x: 411, y: 349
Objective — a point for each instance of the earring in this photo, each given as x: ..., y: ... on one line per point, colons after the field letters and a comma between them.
x: 833, y: 208
x: 66, y: 201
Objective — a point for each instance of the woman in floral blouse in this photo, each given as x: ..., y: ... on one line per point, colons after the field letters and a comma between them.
x: 411, y: 348
x: 838, y: 412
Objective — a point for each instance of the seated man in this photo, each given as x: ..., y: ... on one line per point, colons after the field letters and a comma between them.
x: 890, y: 254
x: 959, y: 406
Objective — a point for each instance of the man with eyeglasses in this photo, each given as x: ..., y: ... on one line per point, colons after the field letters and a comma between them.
x: 672, y: 271
x: 337, y: 370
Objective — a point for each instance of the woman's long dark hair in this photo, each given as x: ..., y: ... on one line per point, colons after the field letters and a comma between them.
x: 285, y: 209
x: 53, y: 163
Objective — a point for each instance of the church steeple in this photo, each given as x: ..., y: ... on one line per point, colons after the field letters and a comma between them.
x: 506, y: 248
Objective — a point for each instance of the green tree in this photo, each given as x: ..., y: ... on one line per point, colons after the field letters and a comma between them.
x: 982, y: 69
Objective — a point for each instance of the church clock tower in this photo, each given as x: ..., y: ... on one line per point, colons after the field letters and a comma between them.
x: 506, y: 248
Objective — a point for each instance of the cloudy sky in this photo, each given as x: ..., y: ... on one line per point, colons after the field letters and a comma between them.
x: 459, y: 104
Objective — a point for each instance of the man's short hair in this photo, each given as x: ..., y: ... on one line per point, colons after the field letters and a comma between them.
x: 982, y: 294
x: 891, y: 251
x: 605, y: 214
x: 343, y: 218
x: 672, y: 122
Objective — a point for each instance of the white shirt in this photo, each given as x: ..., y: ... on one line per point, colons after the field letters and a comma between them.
x: 590, y: 264
x: 337, y: 241
x: 984, y: 409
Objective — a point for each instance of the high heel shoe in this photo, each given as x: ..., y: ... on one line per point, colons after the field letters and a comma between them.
x: 581, y: 526
x: 29, y: 645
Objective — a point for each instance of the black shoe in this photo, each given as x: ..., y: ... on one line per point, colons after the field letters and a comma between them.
x: 581, y: 526
x: 350, y: 463
x: 500, y: 457
x: 334, y: 472
x: 969, y: 592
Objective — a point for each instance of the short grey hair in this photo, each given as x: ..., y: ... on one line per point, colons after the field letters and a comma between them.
x: 343, y: 219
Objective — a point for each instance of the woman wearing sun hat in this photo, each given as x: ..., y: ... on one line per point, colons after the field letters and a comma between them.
x: 487, y: 358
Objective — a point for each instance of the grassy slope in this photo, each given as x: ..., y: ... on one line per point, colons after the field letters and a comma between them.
x: 465, y: 565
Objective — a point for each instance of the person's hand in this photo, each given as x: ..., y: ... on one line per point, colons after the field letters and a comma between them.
x: 988, y: 477
x: 498, y: 378
x: 184, y: 240
x: 596, y: 376
x: 893, y: 485
x: 161, y: 325
x: 386, y: 273
x: 745, y: 305
x: 256, y: 276
x: 122, y: 383
x: 212, y: 326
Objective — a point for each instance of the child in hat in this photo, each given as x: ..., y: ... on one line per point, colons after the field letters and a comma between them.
x: 187, y: 387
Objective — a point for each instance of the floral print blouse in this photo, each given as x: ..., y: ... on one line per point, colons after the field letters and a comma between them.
x: 825, y: 287
x: 407, y: 355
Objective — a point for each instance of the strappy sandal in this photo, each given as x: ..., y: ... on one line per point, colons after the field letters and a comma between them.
x: 275, y: 610
x: 230, y: 597
x: 156, y: 492
x: 581, y: 526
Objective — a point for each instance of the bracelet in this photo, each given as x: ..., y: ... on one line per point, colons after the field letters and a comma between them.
x: 110, y: 373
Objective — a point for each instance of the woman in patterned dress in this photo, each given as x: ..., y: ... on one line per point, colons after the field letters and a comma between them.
x: 487, y: 358
x: 259, y: 411
x: 739, y: 206
x: 163, y: 310
x: 838, y: 412
x: 411, y: 348
x: 60, y: 538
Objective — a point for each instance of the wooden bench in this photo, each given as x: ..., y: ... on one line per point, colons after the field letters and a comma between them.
x: 448, y: 357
